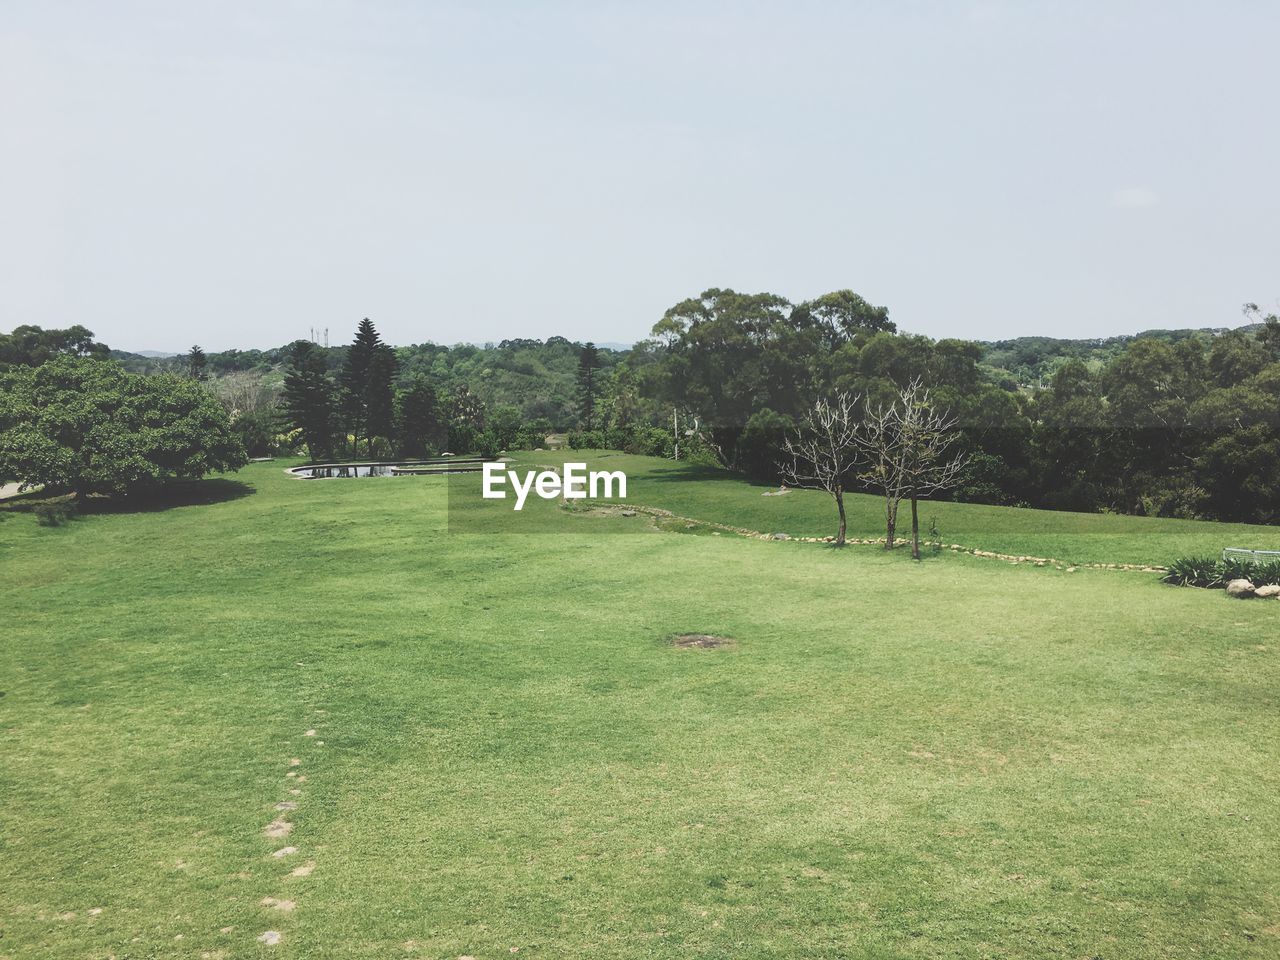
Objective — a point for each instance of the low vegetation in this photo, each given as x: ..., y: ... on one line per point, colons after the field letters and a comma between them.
x: 1219, y: 571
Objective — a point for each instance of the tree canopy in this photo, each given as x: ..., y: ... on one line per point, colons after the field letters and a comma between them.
x: 84, y: 425
x: 30, y: 346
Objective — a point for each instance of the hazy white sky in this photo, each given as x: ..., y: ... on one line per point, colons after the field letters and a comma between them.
x: 234, y: 173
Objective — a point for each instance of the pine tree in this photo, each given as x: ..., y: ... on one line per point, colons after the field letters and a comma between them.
x: 197, y: 363
x: 307, y: 401
x: 588, y: 391
x: 379, y: 397
x: 356, y: 371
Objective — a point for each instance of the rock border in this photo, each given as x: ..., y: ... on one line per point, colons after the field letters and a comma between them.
x: 880, y: 541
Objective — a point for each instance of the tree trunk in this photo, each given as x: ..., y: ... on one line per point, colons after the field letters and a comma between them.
x: 839, y: 494
x: 915, y: 529
x: 891, y: 522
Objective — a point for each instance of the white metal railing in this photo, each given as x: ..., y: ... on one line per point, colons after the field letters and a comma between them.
x: 1245, y: 554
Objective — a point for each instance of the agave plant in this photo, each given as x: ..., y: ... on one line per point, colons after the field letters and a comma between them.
x: 1264, y: 571
x: 1195, y: 572
x: 1216, y: 572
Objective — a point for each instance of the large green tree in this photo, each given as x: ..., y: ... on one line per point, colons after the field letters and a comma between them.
x: 842, y: 316
x: 30, y: 346
x: 1069, y: 432
x: 729, y: 355
x: 1238, y: 458
x: 84, y: 426
x: 419, y: 423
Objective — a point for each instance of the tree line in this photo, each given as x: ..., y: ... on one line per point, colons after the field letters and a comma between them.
x: 1182, y: 427
x: 1170, y: 423
x: 367, y: 407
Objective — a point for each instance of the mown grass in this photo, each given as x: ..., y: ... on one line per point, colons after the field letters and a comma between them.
x: 958, y: 758
x: 1072, y: 537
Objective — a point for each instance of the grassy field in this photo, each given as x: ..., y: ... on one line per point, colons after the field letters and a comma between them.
x: 1073, y: 537
x: 495, y: 751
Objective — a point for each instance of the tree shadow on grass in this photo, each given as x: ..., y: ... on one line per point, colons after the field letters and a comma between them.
x: 178, y: 493
x: 684, y: 472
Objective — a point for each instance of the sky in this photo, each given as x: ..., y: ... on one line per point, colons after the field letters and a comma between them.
x: 234, y: 174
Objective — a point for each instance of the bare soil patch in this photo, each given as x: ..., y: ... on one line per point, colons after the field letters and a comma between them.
x: 701, y: 641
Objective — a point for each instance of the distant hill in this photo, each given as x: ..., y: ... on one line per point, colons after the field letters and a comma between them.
x: 538, y: 376
x: 1032, y: 359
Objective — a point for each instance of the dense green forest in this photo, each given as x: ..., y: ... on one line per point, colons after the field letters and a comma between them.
x: 536, y: 376
x: 1169, y: 422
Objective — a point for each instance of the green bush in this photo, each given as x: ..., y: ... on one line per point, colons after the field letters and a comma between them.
x: 257, y: 432
x: 1214, y: 572
x: 86, y: 426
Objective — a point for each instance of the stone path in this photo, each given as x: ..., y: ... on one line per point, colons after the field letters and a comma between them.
x: 279, y: 828
x: 953, y: 547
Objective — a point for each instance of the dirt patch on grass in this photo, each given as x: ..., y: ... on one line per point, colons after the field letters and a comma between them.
x: 701, y: 641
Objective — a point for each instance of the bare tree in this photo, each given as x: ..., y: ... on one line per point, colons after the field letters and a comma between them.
x: 880, y: 448
x: 246, y: 394
x: 907, y: 446
x: 824, y: 454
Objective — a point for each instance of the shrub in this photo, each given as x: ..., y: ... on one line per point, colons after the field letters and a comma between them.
x: 1257, y: 572
x: 1216, y: 572
x: 1194, y: 572
x: 649, y: 442
x: 257, y: 432
x: 487, y: 444
x: 462, y: 438
x: 589, y: 440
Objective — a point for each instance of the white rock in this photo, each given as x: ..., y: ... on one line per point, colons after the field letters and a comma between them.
x: 1268, y: 590
x: 1240, y: 588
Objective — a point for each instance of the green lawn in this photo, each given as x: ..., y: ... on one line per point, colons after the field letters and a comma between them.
x: 1073, y: 537
x: 959, y: 758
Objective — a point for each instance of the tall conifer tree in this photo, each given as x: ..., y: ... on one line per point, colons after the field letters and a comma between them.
x: 307, y: 400
x: 367, y: 398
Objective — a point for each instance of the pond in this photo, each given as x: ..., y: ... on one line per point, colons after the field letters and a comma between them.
x: 403, y: 468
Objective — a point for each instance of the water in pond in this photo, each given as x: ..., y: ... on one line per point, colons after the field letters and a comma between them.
x: 348, y: 470
x: 409, y: 468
